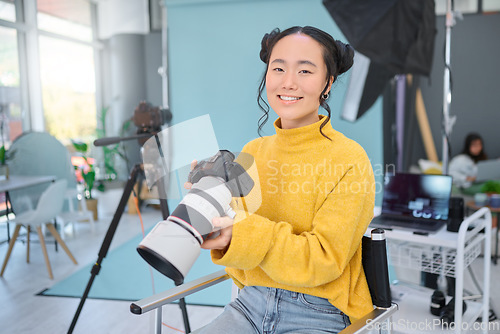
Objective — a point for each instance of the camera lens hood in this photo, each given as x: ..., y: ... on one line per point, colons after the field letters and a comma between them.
x: 171, y: 248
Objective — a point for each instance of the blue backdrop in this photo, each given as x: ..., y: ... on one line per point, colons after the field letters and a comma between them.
x: 214, y: 68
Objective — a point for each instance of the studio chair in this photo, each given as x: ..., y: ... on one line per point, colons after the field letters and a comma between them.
x: 74, y: 198
x: 49, y: 205
x: 41, y: 154
x: 375, y: 267
x: 38, y: 154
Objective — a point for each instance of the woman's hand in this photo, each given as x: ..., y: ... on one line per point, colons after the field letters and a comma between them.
x: 225, y: 227
x: 222, y: 224
x: 188, y: 185
x: 470, y: 178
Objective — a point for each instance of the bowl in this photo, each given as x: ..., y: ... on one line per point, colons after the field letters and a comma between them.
x: 494, y: 200
x: 480, y: 199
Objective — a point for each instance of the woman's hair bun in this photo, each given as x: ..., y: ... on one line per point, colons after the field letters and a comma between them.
x: 345, y: 56
x: 266, y: 44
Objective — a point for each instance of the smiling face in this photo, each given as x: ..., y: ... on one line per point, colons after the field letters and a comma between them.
x: 295, y: 79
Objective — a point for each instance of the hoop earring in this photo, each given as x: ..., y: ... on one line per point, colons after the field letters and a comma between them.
x: 325, y: 96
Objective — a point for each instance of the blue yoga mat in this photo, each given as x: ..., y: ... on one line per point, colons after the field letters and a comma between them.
x: 126, y: 276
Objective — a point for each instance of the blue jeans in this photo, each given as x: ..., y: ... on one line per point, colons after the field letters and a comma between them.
x: 274, y: 311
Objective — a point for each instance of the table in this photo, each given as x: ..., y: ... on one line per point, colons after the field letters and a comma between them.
x: 471, y: 205
x: 449, y: 254
x: 15, y: 182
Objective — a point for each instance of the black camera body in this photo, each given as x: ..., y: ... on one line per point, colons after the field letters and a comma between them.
x: 174, y: 244
x: 222, y: 165
x: 149, y: 119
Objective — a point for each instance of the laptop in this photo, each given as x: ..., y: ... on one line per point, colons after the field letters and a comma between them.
x: 415, y: 202
x: 488, y: 170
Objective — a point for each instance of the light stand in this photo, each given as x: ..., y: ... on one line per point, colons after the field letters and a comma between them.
x: 447, y: 120
x: 134, y: 173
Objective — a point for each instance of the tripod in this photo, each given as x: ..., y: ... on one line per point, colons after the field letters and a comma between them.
x: 134, y: 173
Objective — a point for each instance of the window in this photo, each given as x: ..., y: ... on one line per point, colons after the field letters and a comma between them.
x: 68, y: 89
x: 10, y: 96
x: 67, y: 69
x: 7, y: 11
x: 47, y: 74
x: 491, y: 5
x: 68, y: 18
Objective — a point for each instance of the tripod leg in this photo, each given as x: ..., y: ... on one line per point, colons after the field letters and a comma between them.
x: 182, y: 305
x: 107, y: 240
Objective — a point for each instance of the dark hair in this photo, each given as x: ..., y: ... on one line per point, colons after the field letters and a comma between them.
x: 337, y: 56
x: 468, y: 141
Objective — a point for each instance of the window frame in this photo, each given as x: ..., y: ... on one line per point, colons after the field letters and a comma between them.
x: 29, y: 61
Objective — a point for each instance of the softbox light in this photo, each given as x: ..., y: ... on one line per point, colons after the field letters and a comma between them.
x: 397, y: 36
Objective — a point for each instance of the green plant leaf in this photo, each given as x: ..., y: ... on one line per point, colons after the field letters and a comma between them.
x: 80, y: 146
x: 101, y: 187
x: 2, y: 155
x: 110, y: 152
x: 491, y: 187
x: 89, y: 179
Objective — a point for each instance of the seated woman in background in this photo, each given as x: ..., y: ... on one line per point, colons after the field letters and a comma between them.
x: 463, y: 167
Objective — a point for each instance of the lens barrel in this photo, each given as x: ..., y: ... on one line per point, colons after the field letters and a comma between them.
x: 438, y: 301
x: 173, y: 245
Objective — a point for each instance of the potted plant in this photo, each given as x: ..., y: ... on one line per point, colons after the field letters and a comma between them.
x: 108, y: 169
x: 491, y: 187
x: 4, y: 168
x: 85, y: 173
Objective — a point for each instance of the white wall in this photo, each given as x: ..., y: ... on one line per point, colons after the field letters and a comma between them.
x: 122, y: 17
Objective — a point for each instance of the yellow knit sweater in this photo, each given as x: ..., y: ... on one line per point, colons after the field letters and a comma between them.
x: 317, y: 201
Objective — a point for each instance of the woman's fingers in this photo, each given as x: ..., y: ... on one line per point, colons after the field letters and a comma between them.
x: 221, y: 241
x: 222, y: 222
x: 193, y: 164
x: 225, y: 227
x: 188, y: 185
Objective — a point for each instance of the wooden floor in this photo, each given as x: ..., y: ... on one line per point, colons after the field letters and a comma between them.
x: 25, y: 312
x: 22, y: 311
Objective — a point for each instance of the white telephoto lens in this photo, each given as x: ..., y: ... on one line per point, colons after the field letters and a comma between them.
x: 170, y: 248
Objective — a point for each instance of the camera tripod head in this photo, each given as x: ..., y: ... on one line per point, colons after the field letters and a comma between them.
x: 147, y: 119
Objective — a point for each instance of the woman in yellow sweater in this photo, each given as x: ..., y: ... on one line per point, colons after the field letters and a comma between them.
x: 298, y: 257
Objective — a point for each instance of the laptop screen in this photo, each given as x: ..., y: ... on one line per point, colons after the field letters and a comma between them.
x: 423, y: 196
x: 488, y: 170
